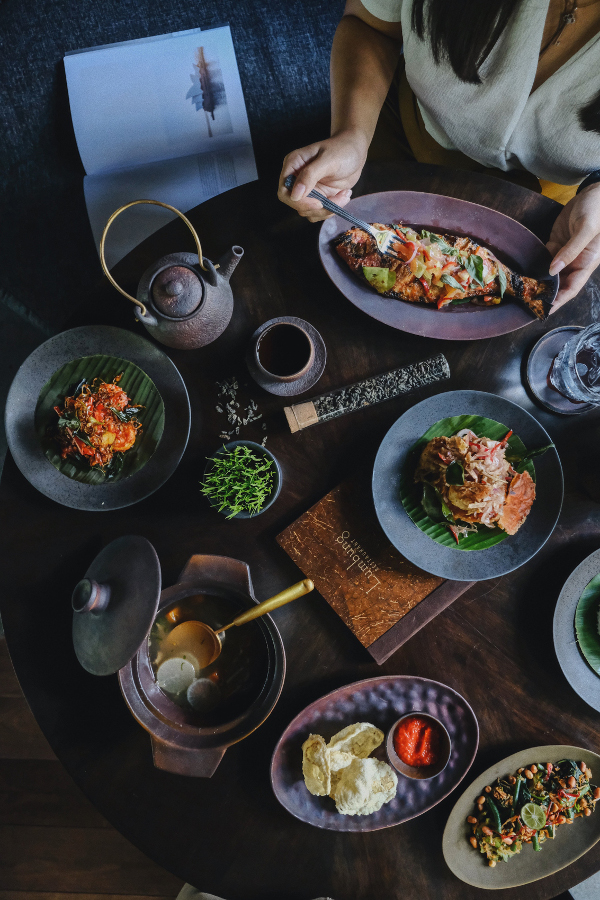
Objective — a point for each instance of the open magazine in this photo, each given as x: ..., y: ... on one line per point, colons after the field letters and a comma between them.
x: 159, y: 118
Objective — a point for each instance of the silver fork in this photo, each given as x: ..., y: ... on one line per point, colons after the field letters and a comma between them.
x: 382, y: 236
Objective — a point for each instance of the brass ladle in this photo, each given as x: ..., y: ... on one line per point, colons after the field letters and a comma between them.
x: 204, y: 643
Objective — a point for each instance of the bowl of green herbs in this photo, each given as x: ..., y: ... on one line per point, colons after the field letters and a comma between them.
x: 242, y: 479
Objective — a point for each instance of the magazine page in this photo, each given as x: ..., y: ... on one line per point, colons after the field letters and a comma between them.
x: 155, y: 99
x: 182, y: 183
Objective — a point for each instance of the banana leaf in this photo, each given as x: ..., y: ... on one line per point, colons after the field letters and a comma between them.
x: 586, y: 624
x: 141, y: 391
x: 411, y: 492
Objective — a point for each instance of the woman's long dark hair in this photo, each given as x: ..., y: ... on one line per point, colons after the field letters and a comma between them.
x: 465, y: 31
x: 462, y: 31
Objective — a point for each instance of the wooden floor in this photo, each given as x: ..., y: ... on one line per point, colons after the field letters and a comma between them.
x: 54, y: 845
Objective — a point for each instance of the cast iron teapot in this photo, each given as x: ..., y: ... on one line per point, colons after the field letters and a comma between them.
x: 183, y: 300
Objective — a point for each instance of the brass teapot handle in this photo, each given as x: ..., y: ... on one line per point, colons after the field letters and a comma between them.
x: 118, y: 212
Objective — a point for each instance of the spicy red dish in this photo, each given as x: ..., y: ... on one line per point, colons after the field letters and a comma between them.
x: 417, y: 742
x: 97, y: 422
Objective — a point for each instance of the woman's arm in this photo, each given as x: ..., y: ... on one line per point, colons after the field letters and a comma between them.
x: 575, y: 243
x: 364, y: 56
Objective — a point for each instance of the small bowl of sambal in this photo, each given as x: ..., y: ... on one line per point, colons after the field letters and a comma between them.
x: 418, y: 746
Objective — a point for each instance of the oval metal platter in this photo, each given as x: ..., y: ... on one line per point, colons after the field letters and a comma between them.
x: 450, y: 562
x: 380, y: 701
x: 514, y: 245
x: 35, y: 372
x: 576, y: 670
x: 569, y: 844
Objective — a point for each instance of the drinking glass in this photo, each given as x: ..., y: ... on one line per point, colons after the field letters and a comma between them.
x: 576, y: 370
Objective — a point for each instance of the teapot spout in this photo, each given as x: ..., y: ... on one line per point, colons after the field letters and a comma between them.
x: 229, y: 261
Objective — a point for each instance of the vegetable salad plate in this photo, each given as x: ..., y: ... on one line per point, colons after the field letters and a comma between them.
x: 570, y: 841
x: 416, y: 517
x: 97, y: 418
x: 512, y: 243
x: 576, y: 637
x: 381, y: 702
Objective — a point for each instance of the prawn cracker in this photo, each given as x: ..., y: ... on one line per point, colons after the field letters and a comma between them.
x: 315, y: 766
x: 365, y: 785
x: 359, y: 739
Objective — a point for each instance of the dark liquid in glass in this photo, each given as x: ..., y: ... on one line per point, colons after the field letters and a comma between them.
x: 283, y: 350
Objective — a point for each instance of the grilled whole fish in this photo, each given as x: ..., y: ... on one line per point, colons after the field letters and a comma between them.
x: 439, y: 269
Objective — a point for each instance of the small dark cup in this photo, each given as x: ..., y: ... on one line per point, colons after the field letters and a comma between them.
x: 284, y: 351
x: 421, y: 773
x: 286, y: 356
x: 259, y: 450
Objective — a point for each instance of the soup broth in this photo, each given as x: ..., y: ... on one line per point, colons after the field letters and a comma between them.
x: 220, y: 692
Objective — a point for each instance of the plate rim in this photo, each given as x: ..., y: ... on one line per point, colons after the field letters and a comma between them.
x: 442, y: 565
x: 358, y: 684
x: 570, y: 659
x: 85, y: 496
x: 543, y: 749
x: 325, y: 255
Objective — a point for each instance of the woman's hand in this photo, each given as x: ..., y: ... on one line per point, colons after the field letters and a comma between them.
x: 332, y: 166
x: 575, y: 243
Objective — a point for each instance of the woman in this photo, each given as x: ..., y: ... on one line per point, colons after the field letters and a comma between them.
x: 511, y: 88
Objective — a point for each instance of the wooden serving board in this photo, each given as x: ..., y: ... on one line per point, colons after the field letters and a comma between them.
x: 382, y: 597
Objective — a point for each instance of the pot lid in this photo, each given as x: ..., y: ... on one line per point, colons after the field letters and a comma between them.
x: 177, y: 291
x: 115, y: 604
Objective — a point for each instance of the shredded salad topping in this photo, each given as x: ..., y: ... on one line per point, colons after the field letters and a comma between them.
x: 434, y: 262
x: 527, y: 807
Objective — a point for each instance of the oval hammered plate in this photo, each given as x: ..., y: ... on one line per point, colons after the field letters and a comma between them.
x: 514, y: 244
x: 380, y: 701
x: 448, y: 561
x: 35, y: 373
x: 580, y: 590
x: 569, y: 844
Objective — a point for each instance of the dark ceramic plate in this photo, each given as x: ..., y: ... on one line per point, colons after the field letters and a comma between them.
x: 576, y: 670
x: 36, y: 372
x: 449, y: 562
x: 380, y: 701
x: 569, y: 844
x: 514, y: 245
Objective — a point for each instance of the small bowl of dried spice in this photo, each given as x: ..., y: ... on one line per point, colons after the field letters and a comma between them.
x: 242, y: 480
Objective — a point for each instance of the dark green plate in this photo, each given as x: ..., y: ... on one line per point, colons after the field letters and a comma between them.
x: 141, y: 391
x: 411, y: 492
x: 586, y: 623
x: 147, y: 361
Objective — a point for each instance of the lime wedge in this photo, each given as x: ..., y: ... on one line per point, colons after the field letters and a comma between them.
x: 533, y: 816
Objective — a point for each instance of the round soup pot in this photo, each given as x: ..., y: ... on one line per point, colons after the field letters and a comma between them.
x: 181, y: 743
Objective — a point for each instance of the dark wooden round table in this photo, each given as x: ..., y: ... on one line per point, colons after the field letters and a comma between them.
x: 228, y: 835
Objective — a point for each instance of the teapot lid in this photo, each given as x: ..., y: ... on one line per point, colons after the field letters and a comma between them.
x: 115, y: 604
x: 177, y: 291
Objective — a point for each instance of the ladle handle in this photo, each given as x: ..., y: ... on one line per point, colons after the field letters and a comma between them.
x: 267, y: 606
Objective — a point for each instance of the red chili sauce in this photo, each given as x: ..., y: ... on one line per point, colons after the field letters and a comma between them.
x: 417, y: 742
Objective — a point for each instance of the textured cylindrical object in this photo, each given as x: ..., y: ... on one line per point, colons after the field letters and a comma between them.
x: 366, y: 393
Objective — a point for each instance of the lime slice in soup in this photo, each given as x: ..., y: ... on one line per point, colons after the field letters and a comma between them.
x: 411, y: 492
